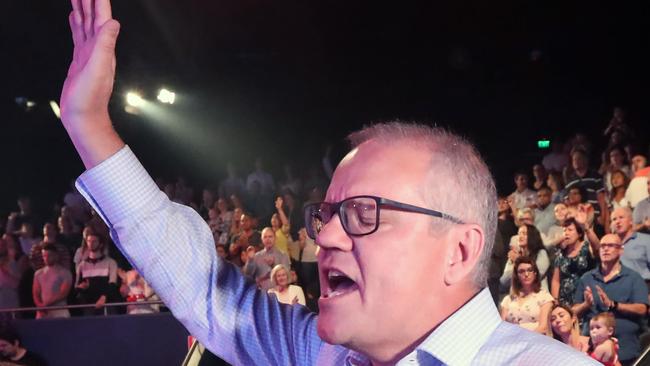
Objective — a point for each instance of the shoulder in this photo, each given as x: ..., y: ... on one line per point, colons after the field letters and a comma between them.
x: 40, y: 272
x: 511, y: 344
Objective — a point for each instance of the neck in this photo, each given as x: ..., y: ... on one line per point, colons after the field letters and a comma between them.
x: 391, y: 350
x: 282, y: 288
x: 581, y: 172
x: 521, y: 189
x: 607, y: 268
x: 626, y: 235
x: 94, y: 254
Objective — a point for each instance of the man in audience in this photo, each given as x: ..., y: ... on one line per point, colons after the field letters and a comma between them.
x: 544, y: 212
x: 615, y: 288
x: 247, y: 234
x: 641, y: 213
x: 636, y: 255
x: 637, y: 190
x: 401, y: 281
x: 96, y: 281
x: 522, y: 197
x: 12, y: 351
x: 23, y: 215
x: 259, y: 267
x: 262, y: 177
x: 52, y: 285
x: 589, y: 181
x: 50, y: 238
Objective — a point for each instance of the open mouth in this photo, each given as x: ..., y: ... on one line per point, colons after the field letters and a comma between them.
x: 338, y: 284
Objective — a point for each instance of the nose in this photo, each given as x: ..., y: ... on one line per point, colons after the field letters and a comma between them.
x: 332, y: 236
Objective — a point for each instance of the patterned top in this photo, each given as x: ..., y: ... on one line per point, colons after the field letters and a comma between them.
x: 173, y: 248
x: 525, y: 311
x: 571, y: 269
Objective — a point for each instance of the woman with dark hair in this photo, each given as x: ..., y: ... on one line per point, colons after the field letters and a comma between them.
x: 556, y: 184
x: 574, y: 259
x: 619, y: 182
x: 530, y: 245
x: 565, y: 328
x: 528, y: 304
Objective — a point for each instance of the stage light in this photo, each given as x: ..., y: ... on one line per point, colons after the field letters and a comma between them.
x: 166, y: 96
x: 134, y: 99
x: 25, y: 103
x: 55, y: 109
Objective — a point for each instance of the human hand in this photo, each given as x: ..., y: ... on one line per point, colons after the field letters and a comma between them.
x: 83, y: 284
x: 603, y: 297
x: 278, y: 203
x: 100, y: 302
x: 89, y: 84
x: 589, y: 296
x: 294, y: 301
x: 513, y: 254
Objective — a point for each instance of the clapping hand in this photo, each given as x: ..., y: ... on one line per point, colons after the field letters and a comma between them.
x: 604, y: 298
x: 589, y: 296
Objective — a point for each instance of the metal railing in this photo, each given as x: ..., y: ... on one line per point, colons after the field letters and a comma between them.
x: 105, y: 307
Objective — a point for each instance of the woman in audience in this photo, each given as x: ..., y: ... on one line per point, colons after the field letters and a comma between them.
x: 529, y: 245
x: 280, y: 226
x: 225, y: 221
x: 10, y: 273
x: 566, y: 329
x: 616, y: 161
x: 574, y: 259
x: 619, y: 183
x: 541, y: 175
x: 556, y: 184
x: 556, y: 232
x: 286, y: 293
x: 528, y: 304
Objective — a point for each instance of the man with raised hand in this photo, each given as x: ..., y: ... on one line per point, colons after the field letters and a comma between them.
x: 405, y: 236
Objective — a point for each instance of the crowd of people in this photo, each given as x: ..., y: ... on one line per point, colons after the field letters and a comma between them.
x: 256, y: 225
x: 572, y: 252
x: 574, y: 249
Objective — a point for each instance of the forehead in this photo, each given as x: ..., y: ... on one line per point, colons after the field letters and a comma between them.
x: 559, y: 311
x: 396, y: 171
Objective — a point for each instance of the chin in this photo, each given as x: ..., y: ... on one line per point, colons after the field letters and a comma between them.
x: 332, y: 330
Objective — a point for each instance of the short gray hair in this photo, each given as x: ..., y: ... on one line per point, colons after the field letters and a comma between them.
x: 469, y: 191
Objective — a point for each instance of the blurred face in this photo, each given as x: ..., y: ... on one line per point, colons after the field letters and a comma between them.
x: 579, y: 161
x: 503, y: 205
x: 574, y: 196
x: 616, y: 158
x: 49, y: 257
x: 571, y: 235
x: 49, y: 230
x: 526, y: 275
x: 618, y: 180
x: 268, y: 238
x: 93, y: 243
x: 561, y: 212
x: 221, y: 251
x: 551, y: 183
x: 539, y: 171
x: 8, y: 349
x: 527, y: 219
x: 282, y: 278
x: 599, y: 331
x: 638, y: 162
x: 275, y: 221
x: 212, y: 214
x: 610, y: 248
x: 354, y: 275
x: 521, y: 182
x: 245, y: 222
x: 543, y: 198
x: 222, y: 205
x: 621, y: 221
x: 561, y: 321
x: 522, y: 234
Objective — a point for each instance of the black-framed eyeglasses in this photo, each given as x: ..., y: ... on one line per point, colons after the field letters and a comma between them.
x: 359, y: 215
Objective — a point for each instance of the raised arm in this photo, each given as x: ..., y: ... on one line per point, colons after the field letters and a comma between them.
x: 89, y: 84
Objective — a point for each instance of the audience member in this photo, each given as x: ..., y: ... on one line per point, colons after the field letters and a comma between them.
x: 233, y: 184
x: 544, y: 211
x: 636, y: 255
x: 308, y: 269
x: 522, y: 197
x: 27, y: 237
x: 96, y: 279
x: 50, y: 238
x: 604, y: 347
x: 10, y: 274
x: 641, y: 214
x: 12, y: 351
x: 586, y: 179
x: 262, y: 178
x: 556, y: 160
x: 23, y: 215
x: 556, y: 184
x: 615, y: 288
x: 616, y: 162
x: 528, y: 304
x: 247, y: 235
x: 576, y: 258
x: 259, y: 267
x: 540, y: 174
x: 282, y: 289
x: 280, y: 226
x: 619, y: 182
x: 506, y: 223
x: 225, y: 221
x: 530, y: 245
x: 52, y: 284
x: 555, y: 234
x: 637, y: 190
x: 135, y: 289
x: 565, y: 328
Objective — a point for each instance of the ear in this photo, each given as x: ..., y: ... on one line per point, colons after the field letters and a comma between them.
x: 467, y: 243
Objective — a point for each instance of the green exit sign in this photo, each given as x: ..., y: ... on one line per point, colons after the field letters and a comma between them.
x: 543, y: 144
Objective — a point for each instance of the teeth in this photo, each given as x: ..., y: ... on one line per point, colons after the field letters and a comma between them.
x: 334, y: 273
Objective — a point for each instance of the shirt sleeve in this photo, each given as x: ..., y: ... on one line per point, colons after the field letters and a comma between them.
x: 542, y: 262
x: 173, y: 248
x: 639, y: 290
x: 579, y: 295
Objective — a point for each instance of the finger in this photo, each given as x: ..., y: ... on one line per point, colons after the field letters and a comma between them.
x: 77, y: 32
x: 87, y: 8
x: 76, y: 7
x: 103, y: 13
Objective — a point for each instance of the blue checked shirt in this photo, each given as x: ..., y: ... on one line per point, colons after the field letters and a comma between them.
x: 173, y: 248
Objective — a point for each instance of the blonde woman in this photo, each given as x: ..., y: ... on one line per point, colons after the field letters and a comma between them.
x: 285, y: 292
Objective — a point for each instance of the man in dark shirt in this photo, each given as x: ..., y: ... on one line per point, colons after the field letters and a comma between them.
x: 11, y: 350
x: 589, y: 181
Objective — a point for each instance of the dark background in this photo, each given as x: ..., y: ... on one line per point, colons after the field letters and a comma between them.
x: 284, y: 79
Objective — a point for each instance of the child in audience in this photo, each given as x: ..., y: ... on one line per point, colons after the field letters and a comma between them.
x: 603, y: 347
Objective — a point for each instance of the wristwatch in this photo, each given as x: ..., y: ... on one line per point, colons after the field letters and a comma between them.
x: 613, y: 306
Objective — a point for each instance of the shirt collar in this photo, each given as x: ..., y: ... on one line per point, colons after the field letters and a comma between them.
x: 459, y: 338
